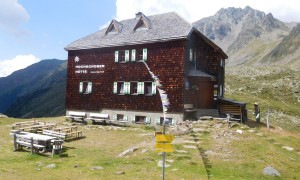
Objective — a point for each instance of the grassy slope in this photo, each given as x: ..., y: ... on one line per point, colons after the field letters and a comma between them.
x: 275, y: 88
x: 221, y: 154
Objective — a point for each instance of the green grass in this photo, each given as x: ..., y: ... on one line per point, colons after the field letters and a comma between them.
x: 242, y: 157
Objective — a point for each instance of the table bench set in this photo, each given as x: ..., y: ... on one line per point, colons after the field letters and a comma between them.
x: 50, y: 136
x: 33, y: 126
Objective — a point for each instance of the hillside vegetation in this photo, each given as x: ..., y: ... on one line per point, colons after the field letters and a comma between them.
x: 275, y: 88
x: 207, y: 150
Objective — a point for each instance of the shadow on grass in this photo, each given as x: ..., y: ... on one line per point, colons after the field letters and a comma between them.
x: 254, y: 124
x: 204, y: 157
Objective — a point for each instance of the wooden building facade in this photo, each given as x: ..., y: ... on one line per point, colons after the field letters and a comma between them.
x: 106, y: 73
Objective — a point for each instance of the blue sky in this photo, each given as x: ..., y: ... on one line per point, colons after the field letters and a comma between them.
x: 33, y: 30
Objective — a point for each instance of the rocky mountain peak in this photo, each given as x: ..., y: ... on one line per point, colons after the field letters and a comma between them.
x: 237, y: 25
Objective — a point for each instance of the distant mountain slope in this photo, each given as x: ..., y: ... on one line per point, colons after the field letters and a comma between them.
x: 36, y: 91
x: 247, y: 35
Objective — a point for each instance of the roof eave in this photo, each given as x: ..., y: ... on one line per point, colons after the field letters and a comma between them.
x: 123, y: 44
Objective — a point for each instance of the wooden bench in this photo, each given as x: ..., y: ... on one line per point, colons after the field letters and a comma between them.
x: 23, y: 125
x: 76, y: 116
x: 55, y: 134
x: 97, y: 117
x: 189, y: 112
x: 20, y: 141
x: 231, y: 110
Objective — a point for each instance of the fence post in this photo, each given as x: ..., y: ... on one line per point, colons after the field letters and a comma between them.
x: 268, y: 114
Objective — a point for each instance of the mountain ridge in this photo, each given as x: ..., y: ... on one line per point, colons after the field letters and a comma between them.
x: 248, y: 35
x: 38, y: 80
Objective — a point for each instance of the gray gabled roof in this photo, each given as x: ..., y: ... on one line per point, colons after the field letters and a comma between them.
x: 164, y: 27
x: 160, y: 27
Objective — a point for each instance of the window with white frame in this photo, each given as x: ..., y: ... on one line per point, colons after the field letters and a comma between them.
x: 191, y: 54
x: 121, y: 88
x: 134, y: 88
x: 150, y: 88
x: 85, y: 87
x: 142, y: 54
x: 122, y: 56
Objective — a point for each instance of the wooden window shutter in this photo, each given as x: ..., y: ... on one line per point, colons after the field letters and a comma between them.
x: 133, y: 119
x: 115, y: 87
x: 153, y: 88
x: 148, y: 120
x: 125, y: 118
x: 157, y: 120
x: 174, y: 121
x: 114, y: 117
x: 126, y: 55
x: 116, y: 56
x: 133, y: 55
x: 191, y: 54
x: 126, y: 87
x: 145, y: 54
x: 140, y: 88
x: 89, y: 88
x: 80, y: 87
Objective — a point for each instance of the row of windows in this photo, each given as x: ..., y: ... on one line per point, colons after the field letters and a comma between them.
x: 142, y: 119
x: 135, y: 55
x: 135, y: 88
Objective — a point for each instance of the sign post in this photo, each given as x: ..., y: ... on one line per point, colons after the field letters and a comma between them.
x: 165, y: 104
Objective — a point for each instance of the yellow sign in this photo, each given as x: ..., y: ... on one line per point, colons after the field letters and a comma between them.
x: 167, y: 147
x: 164, y: 138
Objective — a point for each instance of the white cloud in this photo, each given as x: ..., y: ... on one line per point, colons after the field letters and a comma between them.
x: 12, y: 15
x: 19, y: 62
x: 193, y: 10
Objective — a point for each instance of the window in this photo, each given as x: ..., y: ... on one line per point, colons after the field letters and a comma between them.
x: 121, y: 88
x: 140, y: 87
x: 142, y: 54
x: 221, y: 90
x: 168, y: 120
x: 215, y: 92
x: 134, y: 88
x: 191, y: 54
x: 122, y: 56
x: 120, y: 117
x: 140, y: 119
x: 133, y: 56
x: 221, y: 63
x: 85, y: 87
x: 150, y: 88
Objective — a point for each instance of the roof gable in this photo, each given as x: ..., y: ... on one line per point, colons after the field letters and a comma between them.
x: 114, y: 27
x: 143, y: 22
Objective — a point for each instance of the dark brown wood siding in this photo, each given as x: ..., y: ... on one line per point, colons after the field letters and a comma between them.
x: 165, y: 59
x: 207, y: 60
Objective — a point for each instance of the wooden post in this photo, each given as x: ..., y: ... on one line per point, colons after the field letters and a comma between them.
x: 268, y: 114
x: 31, y: 144
x: 15, y: 142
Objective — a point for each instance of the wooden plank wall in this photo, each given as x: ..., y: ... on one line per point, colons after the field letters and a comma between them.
x: 164, y: 59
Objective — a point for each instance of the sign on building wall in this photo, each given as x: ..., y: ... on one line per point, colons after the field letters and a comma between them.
x: 88, y: 68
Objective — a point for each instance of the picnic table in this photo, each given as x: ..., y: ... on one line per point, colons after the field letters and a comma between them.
x: 40, y: 139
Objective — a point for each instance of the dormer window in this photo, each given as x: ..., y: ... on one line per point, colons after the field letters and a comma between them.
x: 143, y: 22
x: 114, y: 27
